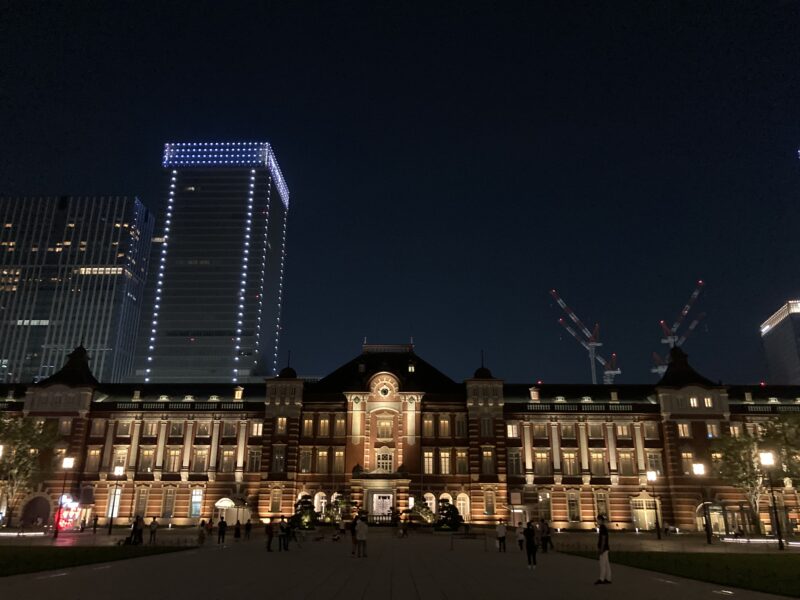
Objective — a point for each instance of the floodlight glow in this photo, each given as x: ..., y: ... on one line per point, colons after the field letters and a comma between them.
x: 699, y: 469
x: 652, y: 476
x: 767, y: 459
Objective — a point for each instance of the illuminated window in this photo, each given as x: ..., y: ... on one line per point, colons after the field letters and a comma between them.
x: 444, y: 426
x: 256, y: 428
x: 308, y: 427
x: 384, y: 428
x: 172, y: 464
x: 322, y: 461
x: 324, y: 427
x: 623, y: 431
x: 385, y: 461
x: 411, y: 367
x: 112, y: 508
x: 92, y: 460
x: 683, y: 430
x: 444, y: 461
x: 338, y: 461
x: 427, y: 426
x: 541, y: 463
x: 280, y: 425
x: 687, y: 458
x: 275, y: 500
x: 736, y: 430
x: 462, y: 462
x: 227, y: 460
x: 146, y: 460
x: 488, y: 502
x: 487, y: 461
x: 597, y: 463
x: 196, y: 504
x: 427, y: 462
x: 625, y: 463
x: 716, y: 458
x: 120, y: 458
x: 708, y: 402
x: 601, y: 504
x: 305, y: 460
x: 693, y: 402
x: 339, y: 426
x: 200, y: 460
x: 712, y: 430
x: 654, y: 462
x: 512, y: 430
x: 573, y: 507
x: 514, y: 461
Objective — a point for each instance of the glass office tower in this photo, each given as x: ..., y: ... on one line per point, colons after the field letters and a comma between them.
x: 72, y: 272
x: 219, y: 276
x: 780, y: 335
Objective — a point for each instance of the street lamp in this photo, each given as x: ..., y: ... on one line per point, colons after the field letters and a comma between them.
x: 114, y: 503
x: 652, y: 476
x: 767, y: 460
x: 66, y: 464
x: 699, y: 469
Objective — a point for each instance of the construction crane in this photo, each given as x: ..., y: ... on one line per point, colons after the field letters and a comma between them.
x: 590, y: 340
x: 672, y: 337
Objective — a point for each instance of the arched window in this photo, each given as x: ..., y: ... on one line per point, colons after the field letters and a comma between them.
x: 446, y: 497
x: 462, y: 504
x: 488, y: 502
x: 430, y: 500
x: 320, y: 502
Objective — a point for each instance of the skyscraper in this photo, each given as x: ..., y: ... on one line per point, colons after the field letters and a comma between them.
x: 780, y: 335
x: 72, y: 272
x: 219, y: 277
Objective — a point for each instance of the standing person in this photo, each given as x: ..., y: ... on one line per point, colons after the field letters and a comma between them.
x: 269, y: 530
x: 532, y: 537
x: 602, y: 550
x: 353, y: 538
x: 520, y: 536
x: 153, y: 529
x: 544, y: 528
x: 361, y: 537
x: 83, y: 524
x: 201, y: 533
x: 342, y: 528
x: 210, y: 527
x: 222, y: 527
x: 94, y: 524
x: 501, y: 531
x: 283, y: 535
x: 237, y: 530
x: 248, y: 527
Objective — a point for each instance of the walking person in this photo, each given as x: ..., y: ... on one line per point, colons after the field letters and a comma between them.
x: 521, y: 536
x: 501, y: 531
x: 94, y: 524
x: 532, y: 537
x: 361, y: 537
x: 201, y: 533
x: 353, y: 538
x: 222, y: 528
x: 237, y: 530
x: 602, y: 550
x: 153, y: 529
x: 248, y: 527
x: 544, y: 528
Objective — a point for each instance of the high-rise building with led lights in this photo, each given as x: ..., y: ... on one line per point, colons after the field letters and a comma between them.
x: 219, y: 274
x: 780, y: 335
x: 72, y: 271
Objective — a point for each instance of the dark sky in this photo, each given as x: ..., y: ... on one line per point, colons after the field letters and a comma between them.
x: 450, y: 164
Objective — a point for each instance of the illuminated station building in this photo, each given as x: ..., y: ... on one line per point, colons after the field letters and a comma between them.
x: 388, y: 431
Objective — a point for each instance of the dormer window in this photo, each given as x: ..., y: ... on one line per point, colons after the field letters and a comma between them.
x: 560, y: 399
x: 237, y: 392
x: 163, y: 398
x: 411, y: 367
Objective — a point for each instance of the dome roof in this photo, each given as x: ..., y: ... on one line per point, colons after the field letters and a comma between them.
x: 482, y: 373
x: 288, y: 373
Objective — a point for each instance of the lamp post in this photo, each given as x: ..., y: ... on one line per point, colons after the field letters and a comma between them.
x: 699, y: 469
x: 652, y: 476
x: 66, y: 464
x: 767, y: 460
x: 114, y: 503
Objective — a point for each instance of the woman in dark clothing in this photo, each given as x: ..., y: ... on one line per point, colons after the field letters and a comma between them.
x: 532, y: 541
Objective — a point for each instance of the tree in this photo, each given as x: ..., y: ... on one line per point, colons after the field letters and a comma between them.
x: 22, y: 464
x: 305, y: 517
x: 448, y: 518
x: 740, y: 468
x: 782, y: 437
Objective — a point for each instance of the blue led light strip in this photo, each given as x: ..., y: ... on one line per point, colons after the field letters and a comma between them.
x: 227, y: 154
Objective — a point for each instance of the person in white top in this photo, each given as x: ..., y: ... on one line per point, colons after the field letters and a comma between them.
x: 501, y: 536
x: 361, y: 537
x: 520, y: 536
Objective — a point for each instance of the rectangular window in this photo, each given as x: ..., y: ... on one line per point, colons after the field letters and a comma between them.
x: 625, y: 463
x: 253, y: 460
x: 569, y: 463
x: 280, y: 425
x: 596, y: 431
x: 227, y: 461
x: 444, y: 461
x: 172, y: 464
x: 384, y: 461
x: 514, y: 461
x: 736, y: 430
x: 708, y: 402
x: 488, y: 502
x: 92, y: 460
x: 427, y: 462
x: 687, y: 458
x: 64, y: 426
x: 716, y: 458
x: 573, y: 507
x: 444, y: 426
x: 461, y: 426
x: 150, y: 429
x: 597, y: 463
x: 120, y: 458
x: 322, y: 461
x: 712, y: 430
x: 146, y: 456
x: 683, y: 430
x: 427, y: 426
x: 98, y: 427
x: 385, y: 428
x: 654, y: 462
x: 279, y: 459
x: 200, y: 460
x: 540, y: 431
x: 693, y: 402
x: 462, y: 462
x: 308, y: 427
x: 305, y: 460
x: 568, y: 431
x: 229, y: 429
x: 176, y: 429
x: 340, y: 426
x: 487, y: 461
x: 168, y: 503
x: 338, y: 461
x: 203, y: 429
x: 623, y: 431
x: 275, y: 500
x: 112, y: 509
x: 124, y: 429
x: 140, y: 502
x: 601, y: 504
x: 651, y: 430
x: 486, y: 427
x: 324, y: 427
x: 256, y: 428
x: 512, y: 430
x: 196, y: 504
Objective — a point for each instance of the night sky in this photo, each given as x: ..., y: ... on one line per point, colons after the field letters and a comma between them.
x: 450, y: 164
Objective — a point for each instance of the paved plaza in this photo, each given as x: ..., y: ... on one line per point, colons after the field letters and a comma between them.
x: 421, y: 567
